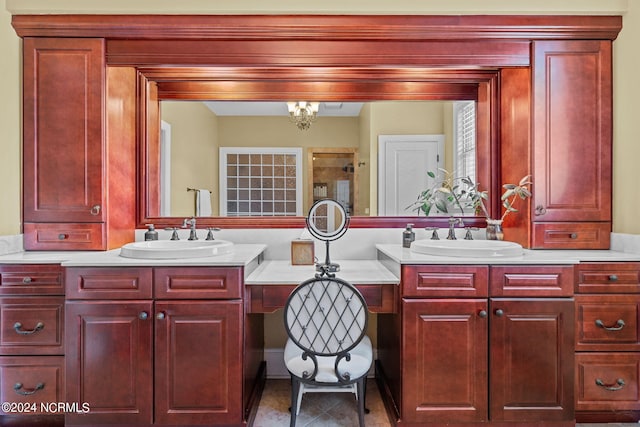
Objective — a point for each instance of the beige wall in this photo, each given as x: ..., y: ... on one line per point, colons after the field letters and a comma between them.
x: 194, y: 153
x: 626, y: 64
x: 10, y: 127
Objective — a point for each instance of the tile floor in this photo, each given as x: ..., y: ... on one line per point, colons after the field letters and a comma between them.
x: 318, y: 409
x: 332, y: 410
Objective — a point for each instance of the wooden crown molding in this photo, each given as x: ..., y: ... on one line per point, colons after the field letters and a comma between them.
x: 334, y: 27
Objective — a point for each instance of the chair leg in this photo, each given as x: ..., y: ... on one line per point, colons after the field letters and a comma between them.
x: 361, y: 394
x: 295, y: 388
x: 364, y: 396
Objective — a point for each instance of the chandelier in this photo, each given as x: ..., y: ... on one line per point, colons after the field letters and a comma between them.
x: 303, y: 113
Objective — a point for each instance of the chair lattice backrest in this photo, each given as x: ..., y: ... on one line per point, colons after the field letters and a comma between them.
x: 326, y: 316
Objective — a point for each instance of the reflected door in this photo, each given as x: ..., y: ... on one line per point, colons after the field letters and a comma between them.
x: 403, y: 163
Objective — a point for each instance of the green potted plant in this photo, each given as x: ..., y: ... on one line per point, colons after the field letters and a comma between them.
x: 462, y: 192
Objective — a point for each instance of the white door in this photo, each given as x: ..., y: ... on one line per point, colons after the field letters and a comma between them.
x: 403, y: 163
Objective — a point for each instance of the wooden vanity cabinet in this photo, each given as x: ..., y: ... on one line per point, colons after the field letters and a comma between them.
x: 482, y: 359
x: 31, y: 340
x: 152, y: 358
x: 572, y: 144
x: 608, y: 342
x: 79, y: 180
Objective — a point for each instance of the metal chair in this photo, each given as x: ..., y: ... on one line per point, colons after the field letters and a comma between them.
x: 327, y: 350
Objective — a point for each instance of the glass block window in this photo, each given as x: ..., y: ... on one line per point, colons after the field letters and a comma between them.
x: 260, y: 181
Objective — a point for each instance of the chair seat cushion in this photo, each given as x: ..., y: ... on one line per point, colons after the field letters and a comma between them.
x: 361, y: 359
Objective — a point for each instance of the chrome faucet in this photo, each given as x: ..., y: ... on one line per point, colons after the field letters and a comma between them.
x: 452, y: 227
x: 192, y: 227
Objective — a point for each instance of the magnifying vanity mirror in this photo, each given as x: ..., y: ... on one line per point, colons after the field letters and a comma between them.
x: 327, y: 221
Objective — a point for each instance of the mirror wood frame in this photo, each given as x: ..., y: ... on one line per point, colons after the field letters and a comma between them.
x: 318, y: 57
x: 329, y: 85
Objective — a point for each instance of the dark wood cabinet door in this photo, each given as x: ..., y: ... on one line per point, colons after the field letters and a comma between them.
x: 572, y: 144
x: 198, y: 362
x: 531, y: 355
x: 572, y: 131
x: 63, y: 131
x: 109, y: 361
x: 444, y: 369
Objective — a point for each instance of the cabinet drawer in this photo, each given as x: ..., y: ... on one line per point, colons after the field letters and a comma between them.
x: 31, y: 325
x: 445, y: 281
x: 615, y: 277
x: 607, y: 322
x: 31, y: 280
x: 31, y: 379
x: 532, y: 281
x: 269, y: 298
x: 607, y: 381
x: 197, y: 282
x: 571, y: 235
x: 64, y: 236
x: 109, y: 283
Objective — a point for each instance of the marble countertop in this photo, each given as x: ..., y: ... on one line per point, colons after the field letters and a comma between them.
x: 530, y: 256
x: 241, y: 256
x: 360, y: 272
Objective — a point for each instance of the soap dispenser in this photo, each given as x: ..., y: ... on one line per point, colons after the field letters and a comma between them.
x: 151, y: 233
x: 408, y: 236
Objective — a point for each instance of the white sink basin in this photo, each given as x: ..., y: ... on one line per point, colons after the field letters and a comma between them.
x: 467, y: 248
x: 172, y: 249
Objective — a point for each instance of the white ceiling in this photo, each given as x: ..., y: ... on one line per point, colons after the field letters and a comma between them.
x: 255, y: 108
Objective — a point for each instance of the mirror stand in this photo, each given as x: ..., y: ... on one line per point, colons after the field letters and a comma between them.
x: 327, y: 220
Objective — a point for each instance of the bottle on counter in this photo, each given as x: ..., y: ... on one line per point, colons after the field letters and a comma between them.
x: 151, y: 233
x: 408, y: 236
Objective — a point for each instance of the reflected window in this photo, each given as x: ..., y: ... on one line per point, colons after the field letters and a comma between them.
x: 464, y: 122
x: 260, y: 181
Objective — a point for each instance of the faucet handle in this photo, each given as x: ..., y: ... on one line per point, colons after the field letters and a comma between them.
x: 210, y: 232
x: 468, y: 235
x: 174, y: 235
x: 434, y: 235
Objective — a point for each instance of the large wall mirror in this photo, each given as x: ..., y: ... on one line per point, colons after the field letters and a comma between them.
x: 189, y: 125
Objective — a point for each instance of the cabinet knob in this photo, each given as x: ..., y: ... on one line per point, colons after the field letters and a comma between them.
x: 27, y: 280
x: 482, y: 314
x: 160, y: 316
x: 540, y: 210
x: 617, y: 327
x: 143, y: 315
x: 573, y: 235
x: 18, y: 328
x: 17, y: 387
x: 619, y: 384
x: 499, y: 313
x: 613, y: 278
x: 62, y: 236
x: 95, y: 210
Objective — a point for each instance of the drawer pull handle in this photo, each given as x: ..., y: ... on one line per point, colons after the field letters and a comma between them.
x: 95, y: 210
x: 17, y: 387
x: 613, y: 278
x: 18, y: 328
x: 618, y: 327
x: 611, y: 387
x: 27, y: 280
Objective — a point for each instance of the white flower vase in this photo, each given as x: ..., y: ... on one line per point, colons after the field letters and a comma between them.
x: 494, y: 229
